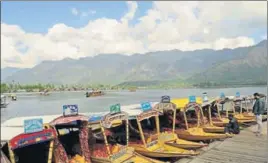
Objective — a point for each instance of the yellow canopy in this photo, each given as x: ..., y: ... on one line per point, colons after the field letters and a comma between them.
x: 182, y: 102
x: 116, y: 123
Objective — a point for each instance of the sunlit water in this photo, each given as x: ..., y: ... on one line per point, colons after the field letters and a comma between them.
x: 33, y: 105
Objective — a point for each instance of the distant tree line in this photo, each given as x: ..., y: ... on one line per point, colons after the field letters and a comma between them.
x: 27, y: 87
x: 228, y: 84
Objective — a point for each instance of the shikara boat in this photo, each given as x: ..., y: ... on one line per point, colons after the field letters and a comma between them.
x: 236, y: 102
x: 36, y: 144
x: 208, y: 126
x: 94, y: 93
x: 118, y: 151
x: 132, y: 89
x: 194, y: 133
x: 72, y: 129
x: 165, y: 107
x: 14, y: 97
x: 152, y: 145
x: 217, y: 120
x: 248, y: 103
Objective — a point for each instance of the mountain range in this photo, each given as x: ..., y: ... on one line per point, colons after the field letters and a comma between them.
x: 246, y: 64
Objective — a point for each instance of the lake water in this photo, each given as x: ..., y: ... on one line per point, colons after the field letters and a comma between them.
x: 34, y: 105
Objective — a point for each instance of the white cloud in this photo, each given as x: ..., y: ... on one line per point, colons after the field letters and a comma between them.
x: 264, y: 37
x: 132, y: 8
x: 74, y: 11
x: 87, y: 13
x: 166, y: 26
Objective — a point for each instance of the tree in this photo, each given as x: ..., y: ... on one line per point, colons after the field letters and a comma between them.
x: 4, y: 88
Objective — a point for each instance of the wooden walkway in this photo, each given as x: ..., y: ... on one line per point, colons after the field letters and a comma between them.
x: 242, y: 148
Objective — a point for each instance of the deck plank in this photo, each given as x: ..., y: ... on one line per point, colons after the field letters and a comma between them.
x: 242, y: 148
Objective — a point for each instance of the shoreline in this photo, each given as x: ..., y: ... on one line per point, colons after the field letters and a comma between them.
x: 123, y: 90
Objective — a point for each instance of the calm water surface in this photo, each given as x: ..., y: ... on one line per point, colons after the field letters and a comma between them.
x: 33, y: 105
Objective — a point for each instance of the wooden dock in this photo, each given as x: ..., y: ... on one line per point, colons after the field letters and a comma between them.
x: 242, y: 148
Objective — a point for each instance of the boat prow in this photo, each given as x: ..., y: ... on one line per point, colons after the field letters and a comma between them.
x: 172, y: 139
x: 198, y: 134
x: 185, y: 144
x: 213, y: 129
x: 163, y: 151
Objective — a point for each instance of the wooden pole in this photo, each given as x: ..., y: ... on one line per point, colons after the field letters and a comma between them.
x: 241, y: 111
x: 218, y: 110
x: 157, y: 125
x: 105, y: 140
x: 141, y: 133
x: 227, y: 109
x: 209, y: 115
x: 174, y: 121
x: 50, y: 153
x: 198, y: 119
x: 233, y: 104
x: 185, y: 119
x: 127, y: 131
x: 202, y: 113
x: 11, y: 154
x: 246, y: 105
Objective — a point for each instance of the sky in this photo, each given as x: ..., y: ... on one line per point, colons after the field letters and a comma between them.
x: 32, y: 32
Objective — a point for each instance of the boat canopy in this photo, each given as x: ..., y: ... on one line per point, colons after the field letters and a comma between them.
x: 134, y: 110
x: 25, y: 139
x: 95, y: 118
x: 108, y: 119
x: 68, y: 119
x: 165, y: 106
x: 7, y: 133
x: 182, y: 102
x: 19, y: 121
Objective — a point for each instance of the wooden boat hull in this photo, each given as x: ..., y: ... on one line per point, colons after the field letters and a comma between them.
x: 198, y: 134
x: 241, y: 121
x: 241, y: 117
x: 172, y: 139
x: 184, y: 144
x: 213, y: 129
x: 128, y: 157
x: 220, y: 122
x: 95, y: 95
x: 249, y: 115
x: 163, y: 151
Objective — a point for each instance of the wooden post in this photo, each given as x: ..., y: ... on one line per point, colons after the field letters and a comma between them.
x: 11, y: 154
x: 185, y: 119
x: 241, y: 111
x: 50, y: 153
x: 198, y: 119
x: 202, y: 113
x: 141, y: 133
x: 246, y: 105
x: 227, y: 109
x: 127, y: 131
x: 209, y: 115
x: 233, y: 108
x: 218, y: 110
x: 174, y: 121
x: 157, y: 125
x: 105, y: 140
